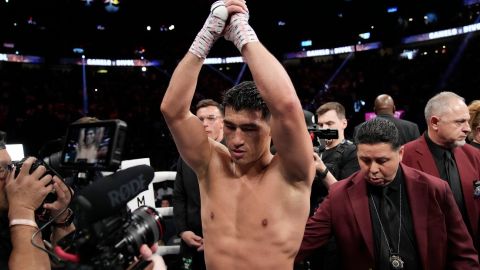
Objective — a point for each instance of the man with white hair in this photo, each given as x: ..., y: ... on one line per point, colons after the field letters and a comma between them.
x: 442, y: 152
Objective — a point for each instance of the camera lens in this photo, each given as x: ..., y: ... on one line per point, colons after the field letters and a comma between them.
x: 146, y: 228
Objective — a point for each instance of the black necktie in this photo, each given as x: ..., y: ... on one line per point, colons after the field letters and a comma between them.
x: 391, y: 218
x: 453, y: 178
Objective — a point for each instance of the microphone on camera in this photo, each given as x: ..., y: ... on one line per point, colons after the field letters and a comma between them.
x: 108, y: 195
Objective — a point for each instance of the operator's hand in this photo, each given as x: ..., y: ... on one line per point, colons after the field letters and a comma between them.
x: 148, y: 254
x: 319, y: 165
x: 63, y: 199
x: 27, y: 191
x: 192, y: 239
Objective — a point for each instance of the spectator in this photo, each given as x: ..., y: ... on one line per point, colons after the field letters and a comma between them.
x: 164, y: 189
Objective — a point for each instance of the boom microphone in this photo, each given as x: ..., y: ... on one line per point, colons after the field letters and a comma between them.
x: 109, y: 194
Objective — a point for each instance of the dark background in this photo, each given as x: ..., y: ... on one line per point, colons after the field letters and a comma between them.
x: 39, y: 101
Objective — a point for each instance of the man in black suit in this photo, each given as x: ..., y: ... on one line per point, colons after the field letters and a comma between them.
x: 385, y: 107
x: 186, y: 194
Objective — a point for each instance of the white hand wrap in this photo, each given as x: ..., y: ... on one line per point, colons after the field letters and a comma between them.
x: 211, y: 30
x: 239, y: 31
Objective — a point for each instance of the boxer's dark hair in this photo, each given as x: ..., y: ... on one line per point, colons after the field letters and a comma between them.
x: 245, y: 96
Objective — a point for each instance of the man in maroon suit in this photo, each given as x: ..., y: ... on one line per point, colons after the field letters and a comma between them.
x: 388, y: 215
x: 442, y: 152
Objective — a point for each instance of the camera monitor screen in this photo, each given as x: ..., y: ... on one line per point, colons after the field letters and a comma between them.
x: 94, y: 145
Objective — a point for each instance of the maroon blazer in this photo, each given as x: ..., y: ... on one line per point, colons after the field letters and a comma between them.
x: 443, y: 241
x: 418, y: 155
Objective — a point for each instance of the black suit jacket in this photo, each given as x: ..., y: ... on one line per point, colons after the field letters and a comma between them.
x: 186, y: 200
x: 408, y: 131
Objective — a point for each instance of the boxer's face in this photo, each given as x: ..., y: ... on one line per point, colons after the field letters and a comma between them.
x: 89, y: 136
x: 247, y: 135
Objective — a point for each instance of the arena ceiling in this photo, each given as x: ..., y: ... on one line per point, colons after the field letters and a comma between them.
x: 54, y: 28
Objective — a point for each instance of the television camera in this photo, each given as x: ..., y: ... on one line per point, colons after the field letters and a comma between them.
x: 108, y: 235
x: 319, y: 136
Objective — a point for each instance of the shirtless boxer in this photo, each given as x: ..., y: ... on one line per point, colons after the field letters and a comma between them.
x: 254, y: 205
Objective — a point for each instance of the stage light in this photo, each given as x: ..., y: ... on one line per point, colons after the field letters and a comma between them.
x: 112, y: 6
x: 365, y: 35
x: 306, y: 43
x: 88, y: 2
x: 8, y: 45
x: 78, y: 50
x: 392, y: 9
x: 430, y: 18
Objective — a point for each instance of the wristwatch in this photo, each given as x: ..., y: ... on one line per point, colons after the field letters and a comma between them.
x: 323, y: 173
x: 67, y: 221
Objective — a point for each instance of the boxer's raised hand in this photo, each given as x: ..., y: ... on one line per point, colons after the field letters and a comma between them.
x: 211, y: 30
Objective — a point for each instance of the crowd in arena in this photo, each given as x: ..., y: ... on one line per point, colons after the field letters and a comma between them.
x: 279, y: 162
x: 50, y: 96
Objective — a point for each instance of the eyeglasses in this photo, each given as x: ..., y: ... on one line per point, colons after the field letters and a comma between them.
x: 5, y: 169
x: 209, y: 118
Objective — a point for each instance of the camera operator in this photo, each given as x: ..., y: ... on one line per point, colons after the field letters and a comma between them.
x: 339, y: 155
x: 336, y: 160
x: 19, y: 198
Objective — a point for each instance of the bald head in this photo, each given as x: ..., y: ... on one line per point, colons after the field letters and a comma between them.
x: 384, y: 105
